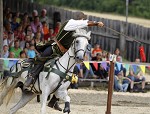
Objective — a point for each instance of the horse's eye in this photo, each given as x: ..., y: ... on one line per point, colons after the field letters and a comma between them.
x: 77, y: 41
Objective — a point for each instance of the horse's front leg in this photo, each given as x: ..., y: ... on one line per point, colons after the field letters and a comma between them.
x: 62, y: 93
x: 45, y: 94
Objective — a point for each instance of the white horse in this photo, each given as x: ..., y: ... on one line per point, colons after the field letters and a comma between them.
x: 56, y: 79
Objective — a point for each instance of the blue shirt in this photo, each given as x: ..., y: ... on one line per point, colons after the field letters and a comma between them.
x: 31, y: 53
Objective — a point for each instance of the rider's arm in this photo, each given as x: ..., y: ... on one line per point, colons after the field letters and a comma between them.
x: 78, y: 24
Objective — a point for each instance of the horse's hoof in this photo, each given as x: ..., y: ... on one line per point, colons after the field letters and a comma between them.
x: 67, y: 113
x: 67, y: 109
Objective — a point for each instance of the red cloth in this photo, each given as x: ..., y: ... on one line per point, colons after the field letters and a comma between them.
x: 142, y: 54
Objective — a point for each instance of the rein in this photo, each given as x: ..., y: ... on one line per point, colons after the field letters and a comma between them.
x: 72, y: 56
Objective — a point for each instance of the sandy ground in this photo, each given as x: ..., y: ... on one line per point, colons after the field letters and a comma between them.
x: 91, y: 102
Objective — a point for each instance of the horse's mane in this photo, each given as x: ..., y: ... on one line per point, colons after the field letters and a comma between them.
x: 82, y: 33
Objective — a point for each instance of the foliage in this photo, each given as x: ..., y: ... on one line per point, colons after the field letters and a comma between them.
x: 138, y: 8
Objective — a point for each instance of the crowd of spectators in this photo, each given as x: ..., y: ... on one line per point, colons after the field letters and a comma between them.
x: 23, y: 32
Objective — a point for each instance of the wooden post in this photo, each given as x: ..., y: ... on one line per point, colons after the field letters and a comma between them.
x: 122, y: 40
x: 110, y: 88
x: 1, y: 35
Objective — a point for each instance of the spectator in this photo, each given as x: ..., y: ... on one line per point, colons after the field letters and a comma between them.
x: 43, y: 17
x: 96, y: 50
x: 23, y: 54
x: 34, y: 14
x: 38, y: 39
x: 101, y: 72
x: 119, y: 57
x: 10, y: 40
x: 98, y: 57
x: 6, y: 11
x: 84, y: 72
x: 5, y: 51
x: 119, y: 83
x: 28, y: 31
x: 27, y: 47
x: 35, y: 24
x: 25, y: 21
x: 27, y: 38
x: 11, y: 55
x: 14, y: 23
x: 31, y: 52
x: 136, y: 75
x: 104, y: 56
x: 45, y: 31
x: 18, y: 17
x: 57, y: 28
x: 16, y: 49
x: 19, y: 34
x: 50, y: 35
x: 8, y: 35
x: 40, y: 31
x: 8, y: 18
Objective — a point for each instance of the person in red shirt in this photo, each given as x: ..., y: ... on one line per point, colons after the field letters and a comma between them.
x: 96, y: 50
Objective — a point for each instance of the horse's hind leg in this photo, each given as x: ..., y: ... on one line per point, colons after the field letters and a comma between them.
x: 26, y: 97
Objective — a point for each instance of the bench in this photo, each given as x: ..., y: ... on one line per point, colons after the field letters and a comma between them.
x: 92, y: 81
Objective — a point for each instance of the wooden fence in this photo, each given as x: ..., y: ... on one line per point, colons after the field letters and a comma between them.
x: 108, y: 39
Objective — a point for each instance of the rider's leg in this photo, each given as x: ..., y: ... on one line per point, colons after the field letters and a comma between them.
x: 38, y: 67
x: 47, y: 52
x: 54, y: 103
x: 32, y: 76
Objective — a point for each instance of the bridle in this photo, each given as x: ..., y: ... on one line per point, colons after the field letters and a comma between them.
x: 73, y: 46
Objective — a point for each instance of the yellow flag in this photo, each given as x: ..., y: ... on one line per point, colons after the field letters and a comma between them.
x: 87, y: 64
x: 143, y: 68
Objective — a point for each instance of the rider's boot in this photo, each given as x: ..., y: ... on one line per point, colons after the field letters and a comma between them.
x: 32, y: 76
x: 54, y: 103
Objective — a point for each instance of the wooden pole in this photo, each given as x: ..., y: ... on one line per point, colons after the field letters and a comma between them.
x: 122, y: 40
x: 1, y: 35
x: 110, y: 88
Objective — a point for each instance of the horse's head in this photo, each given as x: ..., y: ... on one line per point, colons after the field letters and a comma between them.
x: 80, y: 44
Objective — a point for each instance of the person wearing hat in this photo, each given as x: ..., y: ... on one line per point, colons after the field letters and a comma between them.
x: 62, y: 44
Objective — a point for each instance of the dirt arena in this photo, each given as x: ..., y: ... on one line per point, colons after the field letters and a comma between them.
x: 91, y: 102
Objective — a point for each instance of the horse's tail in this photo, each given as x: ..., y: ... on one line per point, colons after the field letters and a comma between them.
x: 9, y: 95
x: 3, y: 83
x: 10, y: 84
